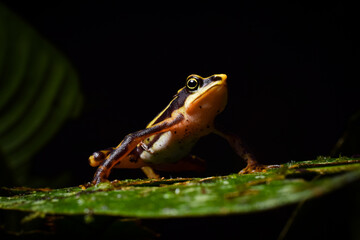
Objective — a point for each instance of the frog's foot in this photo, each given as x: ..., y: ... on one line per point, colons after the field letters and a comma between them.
x: 93, y: 183
x: 257, y: 167
x: 100, y: 175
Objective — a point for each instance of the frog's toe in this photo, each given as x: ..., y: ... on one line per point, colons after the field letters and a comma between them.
x: 252, y: 169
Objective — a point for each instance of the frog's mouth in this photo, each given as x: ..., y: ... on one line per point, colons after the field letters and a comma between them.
x: 218, y: 81
x: 210, y: 91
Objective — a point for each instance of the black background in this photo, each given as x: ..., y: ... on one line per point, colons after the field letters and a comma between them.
x: 292, y: 74
x: 293, y: 85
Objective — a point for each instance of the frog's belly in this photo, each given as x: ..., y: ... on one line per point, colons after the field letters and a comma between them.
x: 169, y: 148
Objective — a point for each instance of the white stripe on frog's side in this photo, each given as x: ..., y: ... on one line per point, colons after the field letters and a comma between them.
x: 163, y: 151
x: 160, y: 144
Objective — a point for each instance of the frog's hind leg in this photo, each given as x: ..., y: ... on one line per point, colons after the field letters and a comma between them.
x: 189, y: 163
x: 242, y: 150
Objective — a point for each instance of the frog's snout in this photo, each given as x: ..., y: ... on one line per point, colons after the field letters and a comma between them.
x: 222, y: 76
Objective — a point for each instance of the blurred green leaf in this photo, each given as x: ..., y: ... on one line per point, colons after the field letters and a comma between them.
x: 39, y: 90
x: 223, y: 195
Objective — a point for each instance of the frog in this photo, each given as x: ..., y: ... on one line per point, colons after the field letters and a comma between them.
x: 166, y: 142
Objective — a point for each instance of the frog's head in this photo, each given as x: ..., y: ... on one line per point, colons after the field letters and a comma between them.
x: 201, y: 98
x: 206, y: 96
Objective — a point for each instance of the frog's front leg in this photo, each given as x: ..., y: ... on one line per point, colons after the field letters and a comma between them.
x: 128, y: 145
x: 241, y: 149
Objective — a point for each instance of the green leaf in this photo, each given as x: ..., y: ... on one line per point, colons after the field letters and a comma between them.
x: 222, y: 195
x: 39, y: 90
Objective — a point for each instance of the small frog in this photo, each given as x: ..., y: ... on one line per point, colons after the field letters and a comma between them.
x: 167, y: 140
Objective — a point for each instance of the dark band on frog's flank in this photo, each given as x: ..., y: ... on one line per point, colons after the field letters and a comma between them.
x: 180, y: 101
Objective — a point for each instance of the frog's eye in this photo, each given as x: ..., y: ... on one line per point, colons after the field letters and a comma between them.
x: 192, y: 84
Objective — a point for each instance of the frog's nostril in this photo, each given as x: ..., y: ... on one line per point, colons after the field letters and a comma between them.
x: 222, y: 76
x: 219, y: 77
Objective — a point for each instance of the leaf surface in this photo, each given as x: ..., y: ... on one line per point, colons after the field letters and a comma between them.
x: 221, y: 195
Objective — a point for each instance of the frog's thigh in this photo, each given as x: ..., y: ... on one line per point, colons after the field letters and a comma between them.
x: 189, y: 163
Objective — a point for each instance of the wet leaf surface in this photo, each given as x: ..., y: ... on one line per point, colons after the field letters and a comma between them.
x: 189, y: 197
